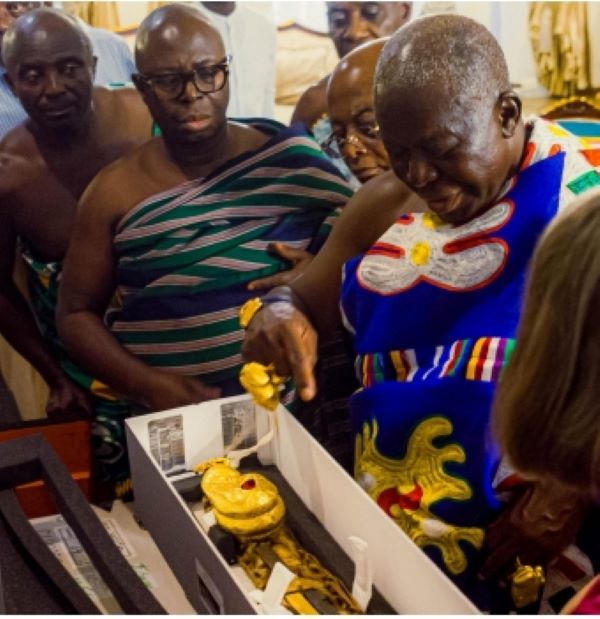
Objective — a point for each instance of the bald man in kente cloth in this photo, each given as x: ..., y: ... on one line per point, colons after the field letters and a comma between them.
x: 433, y: 300
x: 180, y: 226
x: 72, y: 131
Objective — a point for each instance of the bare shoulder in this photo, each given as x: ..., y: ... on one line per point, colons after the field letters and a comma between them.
x: 123, y: 107
x: 374, y: 208
x: 312, y: 104
x: 128, y: 97
x: 19, y: 158
x: 117, y: 188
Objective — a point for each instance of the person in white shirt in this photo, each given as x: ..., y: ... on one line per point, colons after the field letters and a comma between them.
x: 251, y: 39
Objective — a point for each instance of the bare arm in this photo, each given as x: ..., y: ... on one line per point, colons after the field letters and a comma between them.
x: 87, y: 286
x: 286, y: 333
x: 312, y: 104
x: 18, y: 326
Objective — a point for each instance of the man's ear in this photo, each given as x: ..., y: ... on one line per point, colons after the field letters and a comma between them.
x: 138, y: 83
x: 510, y: 112
x: 407, y: 6
x: 95, y: 65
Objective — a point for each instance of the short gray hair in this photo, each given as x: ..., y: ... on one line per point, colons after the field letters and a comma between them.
x: 449, y: 51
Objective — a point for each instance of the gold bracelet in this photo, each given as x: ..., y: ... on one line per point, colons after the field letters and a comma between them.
x: 248, y: 310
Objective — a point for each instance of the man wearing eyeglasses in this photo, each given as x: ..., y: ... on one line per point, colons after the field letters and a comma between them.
x: 350, y: 24
x: 351, y: 106
x: 179, y: 227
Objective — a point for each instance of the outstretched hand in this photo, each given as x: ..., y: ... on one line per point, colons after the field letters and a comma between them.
x: 282, y: 335
x: 541, y: 523
x: 299, y: 259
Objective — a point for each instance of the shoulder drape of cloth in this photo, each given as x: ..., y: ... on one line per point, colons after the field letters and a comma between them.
x: 185, y: 256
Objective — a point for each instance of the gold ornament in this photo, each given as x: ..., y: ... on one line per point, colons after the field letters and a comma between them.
x: 408, y: 487
x: 262, y: 383
x: 248, y: 310
x: 249, y: 506
x: 526, y: 584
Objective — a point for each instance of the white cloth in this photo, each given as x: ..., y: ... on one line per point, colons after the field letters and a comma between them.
x: 115, y: 60
x: 251, y: 39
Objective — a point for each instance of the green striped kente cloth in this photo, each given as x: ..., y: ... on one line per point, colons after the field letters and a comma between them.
x: 108, y: 433
x: 185, y: 256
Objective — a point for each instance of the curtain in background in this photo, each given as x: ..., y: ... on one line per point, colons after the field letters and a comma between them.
x: 559, y: 37
x: 99, y: 14
x: 150, y: 6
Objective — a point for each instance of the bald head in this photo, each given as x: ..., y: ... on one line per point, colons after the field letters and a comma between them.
x: 450, y: 54
x: 356, y: 71
x: 352, y: 111
x: 173, y: 27
x: 36, y: 28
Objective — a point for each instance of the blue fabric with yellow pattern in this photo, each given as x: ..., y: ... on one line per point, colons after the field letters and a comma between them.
x: 434, y: 310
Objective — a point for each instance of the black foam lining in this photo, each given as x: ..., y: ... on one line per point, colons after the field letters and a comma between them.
x: 312, y: 534
x: 33, y: 580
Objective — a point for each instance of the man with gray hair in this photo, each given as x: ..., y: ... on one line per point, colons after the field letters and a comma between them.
x: 433, y: 299
x: 115, y: 62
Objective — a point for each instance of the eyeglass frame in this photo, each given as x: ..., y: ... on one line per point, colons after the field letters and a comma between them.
x: 353, y: 139
x: 187, y: 76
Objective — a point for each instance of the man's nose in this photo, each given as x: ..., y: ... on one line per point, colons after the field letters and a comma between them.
x: 54, y: 84
x: 420, y: 172
x: 191, y: 92
x: 352, y: 147
x: 357, y: 29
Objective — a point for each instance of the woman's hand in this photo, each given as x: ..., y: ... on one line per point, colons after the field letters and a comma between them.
x: 541, y: 523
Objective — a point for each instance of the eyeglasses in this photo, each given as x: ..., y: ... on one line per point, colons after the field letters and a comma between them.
x: 334, y: 144
x: 206, y: 79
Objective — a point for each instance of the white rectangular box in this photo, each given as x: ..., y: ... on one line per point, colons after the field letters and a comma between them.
x: 409, y: 581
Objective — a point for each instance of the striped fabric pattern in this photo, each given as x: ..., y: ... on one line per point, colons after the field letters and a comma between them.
x: 186, y: 255
x: 480, y: 359
x: 586, y: 128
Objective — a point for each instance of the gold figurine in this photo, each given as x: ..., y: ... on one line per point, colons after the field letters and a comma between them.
x: 249, y: 506
x: 262, y: 383
x: 526, y: 584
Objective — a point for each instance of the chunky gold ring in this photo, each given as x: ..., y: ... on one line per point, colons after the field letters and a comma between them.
x: 262, y: 383
x: 526, y: 583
